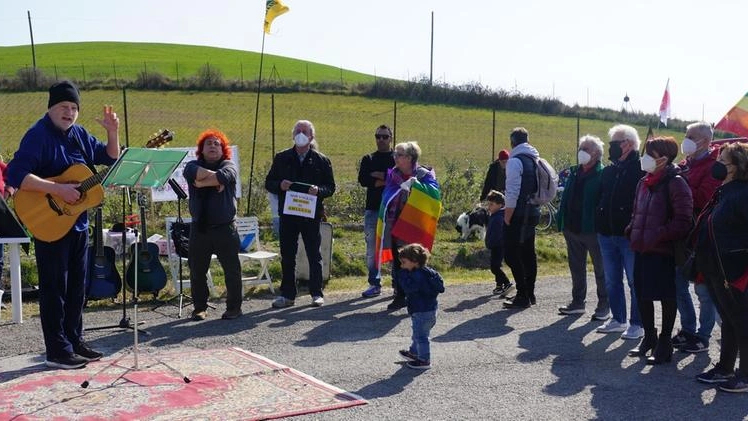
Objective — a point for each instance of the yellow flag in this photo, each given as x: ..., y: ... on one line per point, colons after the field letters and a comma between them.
x: 273, y: 9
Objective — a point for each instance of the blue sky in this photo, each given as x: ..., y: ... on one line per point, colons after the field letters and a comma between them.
x: 579, y: 51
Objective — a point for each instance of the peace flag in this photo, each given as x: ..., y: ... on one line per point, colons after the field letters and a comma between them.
x: 736, y: 120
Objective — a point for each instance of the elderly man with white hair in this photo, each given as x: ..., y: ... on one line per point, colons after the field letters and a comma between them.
x: 576, y: 220
x: 617, y: 192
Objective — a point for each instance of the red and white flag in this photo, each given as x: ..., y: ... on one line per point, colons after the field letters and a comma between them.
x: 665, y: 104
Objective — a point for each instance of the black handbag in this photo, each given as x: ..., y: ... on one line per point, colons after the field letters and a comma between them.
x: 180, y: 235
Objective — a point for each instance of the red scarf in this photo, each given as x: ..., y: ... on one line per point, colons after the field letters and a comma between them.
x: 652, y: 179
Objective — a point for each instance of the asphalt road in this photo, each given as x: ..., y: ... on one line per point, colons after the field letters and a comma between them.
x: 488, y: 362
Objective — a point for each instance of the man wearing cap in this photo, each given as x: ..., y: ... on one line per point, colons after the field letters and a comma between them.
x: 496, y: 175
x: 371, y: 174
x: 48, y: 148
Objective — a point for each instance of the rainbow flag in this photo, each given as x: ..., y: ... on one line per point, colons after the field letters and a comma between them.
x: 417, y: 221
x: 736, y: 120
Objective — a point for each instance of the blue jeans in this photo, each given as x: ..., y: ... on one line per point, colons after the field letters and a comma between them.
x: 422, y: 324
x: 617, y: 258
x: 370, y: 237
x: 707, y: 311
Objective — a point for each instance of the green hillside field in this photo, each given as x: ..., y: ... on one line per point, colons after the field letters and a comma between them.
x: 125, y: 60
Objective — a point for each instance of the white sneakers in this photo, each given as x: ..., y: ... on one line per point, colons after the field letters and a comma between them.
x: 628, y: 331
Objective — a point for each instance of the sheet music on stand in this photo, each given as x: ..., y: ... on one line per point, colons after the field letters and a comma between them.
x: 142, y: 168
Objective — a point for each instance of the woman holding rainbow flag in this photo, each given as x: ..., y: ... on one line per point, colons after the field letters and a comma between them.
x: 409, y: 213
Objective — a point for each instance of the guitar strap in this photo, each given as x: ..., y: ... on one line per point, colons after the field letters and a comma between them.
x: 89, y: 161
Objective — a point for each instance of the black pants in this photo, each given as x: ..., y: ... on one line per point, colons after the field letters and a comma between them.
x: 62, y: 272
x: 519, y: 253
x: 732, y: 306
x: 223, y: 241
x: 396, y: 244
x: 497, y: 258
x: 290, y: 228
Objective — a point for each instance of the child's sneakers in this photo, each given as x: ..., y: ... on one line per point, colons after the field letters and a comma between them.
x: 503, y: 289
x: 419, y: 364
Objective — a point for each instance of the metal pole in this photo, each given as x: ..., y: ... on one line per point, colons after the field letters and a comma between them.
x: 272, y: 123
x: 254, y: 135
x: 431, y: 67
x: 33, y: 51
x: 394, y: 125
x: 578, y: 135
x: 493, y: 137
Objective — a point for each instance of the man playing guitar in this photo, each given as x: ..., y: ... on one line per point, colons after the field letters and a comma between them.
x: 48, y: 148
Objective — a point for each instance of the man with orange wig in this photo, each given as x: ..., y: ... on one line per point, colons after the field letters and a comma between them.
x: 212, y: 187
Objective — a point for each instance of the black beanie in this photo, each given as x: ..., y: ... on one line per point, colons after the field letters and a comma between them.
x: 63, y: 91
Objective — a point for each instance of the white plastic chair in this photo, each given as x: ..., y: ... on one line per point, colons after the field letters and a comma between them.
x: 249, y: 234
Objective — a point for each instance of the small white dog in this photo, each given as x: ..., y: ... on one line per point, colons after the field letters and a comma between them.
x: 473, y: 222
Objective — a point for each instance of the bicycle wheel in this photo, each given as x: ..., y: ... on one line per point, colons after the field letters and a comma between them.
x: 547, y: 213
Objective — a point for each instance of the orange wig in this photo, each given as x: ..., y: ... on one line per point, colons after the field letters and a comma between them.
x: 217, y: 134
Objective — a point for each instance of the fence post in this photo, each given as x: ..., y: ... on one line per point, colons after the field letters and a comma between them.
x: 177, y: 72
x: 493, y: 137
x: 394, y: 124
x: 114, y: 68
x: 83, y: 70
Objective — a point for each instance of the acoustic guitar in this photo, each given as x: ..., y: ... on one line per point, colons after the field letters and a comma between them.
x: 48, y: 217
x: 150, y: 272
x: 103, y: 280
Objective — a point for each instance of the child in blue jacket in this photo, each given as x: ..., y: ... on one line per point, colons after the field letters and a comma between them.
x: 421, y: 285
x: 495, y: 242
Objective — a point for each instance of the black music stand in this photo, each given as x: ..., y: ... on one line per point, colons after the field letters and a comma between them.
x: 141, y: 168
x: 181, y: 195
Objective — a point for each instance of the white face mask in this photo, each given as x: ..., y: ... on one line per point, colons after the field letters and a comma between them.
x: 688, y: 146
x: 648, y: 163
x: 583, y: 157
x: 300, y: 140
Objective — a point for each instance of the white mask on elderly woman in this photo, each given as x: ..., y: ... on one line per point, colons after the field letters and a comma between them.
x: 648, y: 163
x: 583, y: 157
x: 688, y: 146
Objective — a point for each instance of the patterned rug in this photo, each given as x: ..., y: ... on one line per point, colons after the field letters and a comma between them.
x: 176, y: 384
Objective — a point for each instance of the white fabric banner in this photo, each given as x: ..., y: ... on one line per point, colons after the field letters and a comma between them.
x: 166, y: 194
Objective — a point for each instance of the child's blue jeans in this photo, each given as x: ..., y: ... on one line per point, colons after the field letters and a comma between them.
x: 422, y: 324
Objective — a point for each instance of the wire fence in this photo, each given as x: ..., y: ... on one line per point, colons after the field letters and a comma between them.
x: 458, y: 142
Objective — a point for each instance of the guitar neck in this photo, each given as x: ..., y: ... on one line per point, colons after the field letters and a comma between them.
x: 143, y: 238
x: 92, y: 181
x: 99, y: 233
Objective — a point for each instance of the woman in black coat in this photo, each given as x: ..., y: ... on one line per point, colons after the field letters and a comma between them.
x: 721, y: 237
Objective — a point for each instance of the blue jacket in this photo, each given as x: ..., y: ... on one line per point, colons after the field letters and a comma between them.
x: 47, y: 151
x: 495, y: 230
x: 421, y: 287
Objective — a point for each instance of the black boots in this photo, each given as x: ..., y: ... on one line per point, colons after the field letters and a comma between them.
x: 663, y: 353
x: 648, y: 343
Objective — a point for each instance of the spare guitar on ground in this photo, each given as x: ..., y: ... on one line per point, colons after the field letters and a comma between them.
x: 50, y: 147
x: 150, y: 273
x: 103, y: 280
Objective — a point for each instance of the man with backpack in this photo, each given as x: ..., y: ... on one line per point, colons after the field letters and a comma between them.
x: 520, y: 218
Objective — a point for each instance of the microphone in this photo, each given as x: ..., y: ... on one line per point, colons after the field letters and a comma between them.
x: 177, y: 189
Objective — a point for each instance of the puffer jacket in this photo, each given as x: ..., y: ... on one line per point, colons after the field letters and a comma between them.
x: 662, y: 214
x: 698, y: 173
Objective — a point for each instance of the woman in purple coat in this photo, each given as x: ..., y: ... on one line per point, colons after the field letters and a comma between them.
x: 662, y: 215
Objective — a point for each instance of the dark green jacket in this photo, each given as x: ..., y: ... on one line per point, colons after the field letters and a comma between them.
x: 590, y: 197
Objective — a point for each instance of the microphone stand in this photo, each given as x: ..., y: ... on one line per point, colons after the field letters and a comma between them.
x: 181, y: 195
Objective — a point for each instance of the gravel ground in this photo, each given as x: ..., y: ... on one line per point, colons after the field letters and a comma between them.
x: 488, y: 362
